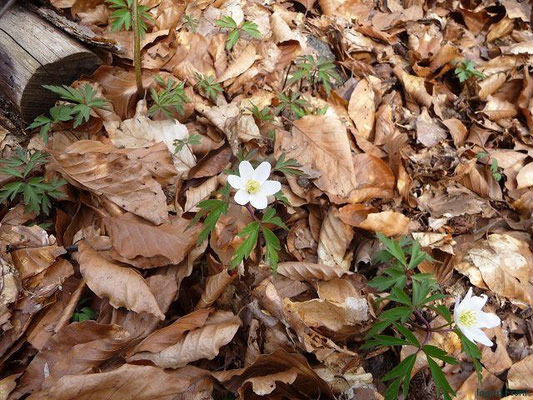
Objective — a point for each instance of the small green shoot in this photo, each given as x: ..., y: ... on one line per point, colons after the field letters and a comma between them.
x: 35, y: 191
x: 84, y: 312
x: 190, y: 22
x: 292, y: 103
x: 192, y: 140
x: 207, y: 84
x: 122, y: 16
x: 316, y: 71
x: 495, y: 169
x: 235, y: 31
x: 289, y: 167
x: 466, y: 70
x: 171, y: 97
x: 263, y: 115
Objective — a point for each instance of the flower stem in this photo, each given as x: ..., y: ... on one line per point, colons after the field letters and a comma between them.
x: 137, y: 49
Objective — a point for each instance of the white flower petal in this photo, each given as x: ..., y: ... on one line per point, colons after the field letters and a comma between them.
x: 242, y: 197
x: 467, y: 332
x: 270, y: 188
x: 487, y: 320
x: 262, y: 172
x: 259, y: 201
x: 246, y: 170
x: 477, y: 335
x: 236, y: 181
x: 477, y: 302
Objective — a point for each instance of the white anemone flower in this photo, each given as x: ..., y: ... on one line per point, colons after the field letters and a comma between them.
x: 253, y: 185
x: 470, y: 319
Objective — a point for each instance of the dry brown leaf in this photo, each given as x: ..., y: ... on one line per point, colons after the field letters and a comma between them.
x: 490, y: 85
x: 414, y: 86
x: 123, y: 286
x: 457, y: 130
x: 497, y: 109
x: 241, y: 64
x: 362, y: 108
x: 214, y: 287
x: 503, y: 263
x: 303, y: 271
x: 198, y: 344
x: 479, y: 179
x: 473, y: 389
x: 212, y: 164
x: 7, y: 385
x: 428, y: 132
x: 76, y: 349
x: 31, y: 261
x: 525, y: 176
x: 169, y: 335
x: 390, y: 223
x: 320, y: 143
x: 123, y: 176
x: 335, y: 237
x: 128, y: 382
x: 195, y: 194
x: 374, y: 177
x: 265, y: 377
x: 519, y: 375
x: 132, y: 237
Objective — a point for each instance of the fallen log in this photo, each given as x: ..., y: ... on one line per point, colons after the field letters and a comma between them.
x: 34, y: 53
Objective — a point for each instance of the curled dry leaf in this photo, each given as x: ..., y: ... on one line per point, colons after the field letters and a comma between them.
x: 414, y: 86
x: 241, y: 64
x: 428, y: 132
x: 503, y: 263
x: 132, y: 237
x: 123, y: 286
x: 525, y: 176
x: 362, y: 108
x: 169, y: 335
x: 198, y: 344
x: 195, y: 194
x: 497, y: 109
x: 519, y: 376
x: 273, y: 375
x: 320, y: 143
x: 303, y: 271
x: 122, y: 176
x: 214, y: 286
x: 335, y: 237
x: 31, y: 261
x: 131, y: 382
x: 76, y: 349
x: 390, y: 223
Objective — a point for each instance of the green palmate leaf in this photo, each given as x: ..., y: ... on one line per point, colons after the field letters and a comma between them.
x: 251, y: 232
x: 190, y: 22
x: 232, y: 38
x: 263, y: 115
x: 122, y: 16
x: 401, y: 374
x: 396, y: 277
x: 378, y: 327
x: 207, y: 84
x: 251, y: 29
x: 289, y: 167
x: 270, y: 217
x: 171, y: 97
x: 393, y: 248
x: 444, y: 389
x: 472, y: 351
x: 85, y: 314
x: 214, y: 209
x: 226, y: 22
x: 443, y: 310
x: 272, y: 247
x: 397, y: 313
x: 192, y: 140
x: 399, y: 296
x: 436, y: 352
x: 411, y: 338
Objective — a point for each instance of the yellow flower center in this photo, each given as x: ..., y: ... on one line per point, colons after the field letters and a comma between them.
x: 253, y: 186
x: 468, y: 318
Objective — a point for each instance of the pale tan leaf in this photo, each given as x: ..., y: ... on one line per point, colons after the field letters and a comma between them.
x: 31, y: 261
x: 320, y: 143
x: 129, y: 382
x: 490, y: 85
x: 303, y: 271
x: 195, y: 195
x: 214, y: 287
x: 75, y: 349
x: 124, y: 287
x: 335, y: 237
x: 169, y: 335
x: 7, y: 385
x: 195, y: 345
x: 241, y: 64
x: 519, y: 375
x: 504, y: 264
x: 126, y: 177
x: 519, y: 48
x: 414, y: 86
x: 525, y: 176
x: 497, y: 109
x: 132, y: 237
x: 428, y: 132
x: 362, y: 108
x: 457, y: 130
x: 472, y: 388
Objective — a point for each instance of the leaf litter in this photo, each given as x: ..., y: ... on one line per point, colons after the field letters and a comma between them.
x: 398, y: 118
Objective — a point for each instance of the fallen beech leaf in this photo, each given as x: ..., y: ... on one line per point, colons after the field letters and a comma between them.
x: 428, y: 132
x: 198, y: 344
x: 303, y: 271
x: 497, y: 109
x: 321, y: 143
x: 269, y: 368
x: 169, y: 335
x: 472, y: 388
x: 390, y: 223
x: 414, y: 86
x: 76, y: 349
x: 374, y: 177
x: 479, y: 179
x: 31, y: 261
x: 241, y: 64
x: 214, y: 286
x: 457, y: 130
x: 519, y: 375
x: 362, y: 108
x: 132, y: 237
x: 503, y: 263
x: 124, y: 287
x: 335, y: 236
x: 212, y: 164
x: 525, y: 176
x: 516, y: 9
x: 128, y: 382
x: 490, y: 85
x: 7, y: 385
x: 94, y: 165
x: 195, y: 195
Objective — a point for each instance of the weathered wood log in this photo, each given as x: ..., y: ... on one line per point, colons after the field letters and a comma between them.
x: 34, y: 53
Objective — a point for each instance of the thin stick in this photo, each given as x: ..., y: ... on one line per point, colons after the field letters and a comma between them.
x: 137, y: 50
